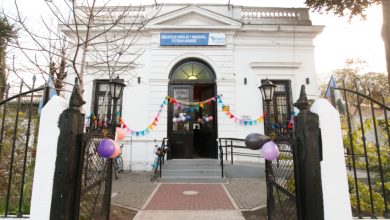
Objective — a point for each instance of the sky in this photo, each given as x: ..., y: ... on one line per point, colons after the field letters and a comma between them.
x: 341, y: 39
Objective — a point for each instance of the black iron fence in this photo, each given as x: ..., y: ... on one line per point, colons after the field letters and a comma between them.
x: 18, y: 139
x: 366, y: 138
x: 94, y: 189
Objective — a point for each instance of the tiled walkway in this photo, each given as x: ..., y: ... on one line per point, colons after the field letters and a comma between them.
x: 132, y: 190
x: 248, y: 193
x: 190, y: 197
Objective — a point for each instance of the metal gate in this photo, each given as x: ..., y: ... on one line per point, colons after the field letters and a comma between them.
x: 18, y: 139
x: 280, y: 178
x: 366, y: 138
x: 94, y: 180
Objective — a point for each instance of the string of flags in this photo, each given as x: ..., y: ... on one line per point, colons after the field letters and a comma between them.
x: 184, y: 106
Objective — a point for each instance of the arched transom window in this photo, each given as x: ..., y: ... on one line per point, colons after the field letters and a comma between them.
x: 192, y: 70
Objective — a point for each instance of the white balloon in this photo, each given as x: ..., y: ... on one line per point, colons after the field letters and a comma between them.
x: 174, y: 120
x: 183, y: 118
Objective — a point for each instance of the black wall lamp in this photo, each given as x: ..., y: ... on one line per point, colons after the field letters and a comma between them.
x: 245, y: 81
x: 139, y: 80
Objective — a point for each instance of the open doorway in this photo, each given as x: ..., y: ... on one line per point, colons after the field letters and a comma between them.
x: 192, y: 130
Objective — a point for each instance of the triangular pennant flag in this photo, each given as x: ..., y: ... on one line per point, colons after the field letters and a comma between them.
x: 219, y: 100
x: 245, y: 122
x: 213, y: 98
x: 259, y: 119
x: 231, y: 116
x: 147, y: 131
x: 201, y: 105
x: 150, y: 127
x: 154, y: 123
x: 136, y: 133
x: 142, y: 133
x: 250, y: 122
x: 254, y: 122
x: 156, y: 118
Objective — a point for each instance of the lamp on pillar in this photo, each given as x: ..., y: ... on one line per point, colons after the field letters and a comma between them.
x: 267, y: 90
x: 116, y: 90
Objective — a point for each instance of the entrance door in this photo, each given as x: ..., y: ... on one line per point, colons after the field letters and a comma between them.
x: 181, y: 132
x: 192, y: 129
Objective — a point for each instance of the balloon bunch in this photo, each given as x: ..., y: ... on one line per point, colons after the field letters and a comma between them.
x: 181, y: 118
x: 205, y: 119
x: 269, y: 150
x: 109, y: 148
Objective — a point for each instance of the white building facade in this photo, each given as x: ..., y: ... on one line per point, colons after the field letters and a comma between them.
x: 200, y: 55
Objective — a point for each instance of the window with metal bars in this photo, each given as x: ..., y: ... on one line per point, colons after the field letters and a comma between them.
x: 280, y: 106
x: 102, y: 102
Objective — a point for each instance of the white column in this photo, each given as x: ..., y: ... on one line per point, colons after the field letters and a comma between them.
x: 337, y: 203
x: 46, y: 158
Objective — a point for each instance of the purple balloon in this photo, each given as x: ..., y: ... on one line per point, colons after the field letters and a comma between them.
x: 106, y: 148
x: 270, y: 151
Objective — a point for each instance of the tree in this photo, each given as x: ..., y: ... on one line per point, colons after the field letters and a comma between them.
x: 7, y: 33
x: 353, y: 8
x: 97, y: 40
x: 354, y: 71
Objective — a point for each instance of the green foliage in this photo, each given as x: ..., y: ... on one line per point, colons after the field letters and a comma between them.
x: 7, y: 32
x: 342, y: 8
x: 17, y: 171
x: 374, y: 165
x: 364, y: 198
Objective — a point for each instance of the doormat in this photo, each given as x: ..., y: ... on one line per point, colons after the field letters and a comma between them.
x: 190, y: 197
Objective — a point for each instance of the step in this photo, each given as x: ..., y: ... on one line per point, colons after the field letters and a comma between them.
x: 244, y: 169
x: 192, y: 179
x: 193, y: 161
x: 169, y: 166
x: 191, y: 172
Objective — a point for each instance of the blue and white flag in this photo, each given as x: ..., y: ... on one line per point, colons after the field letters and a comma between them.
x: 338, y: 99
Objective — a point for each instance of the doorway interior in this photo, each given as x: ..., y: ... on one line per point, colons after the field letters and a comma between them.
x: 192, y: 130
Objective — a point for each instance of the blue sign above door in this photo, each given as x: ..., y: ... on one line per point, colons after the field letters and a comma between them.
x: 192, y: 39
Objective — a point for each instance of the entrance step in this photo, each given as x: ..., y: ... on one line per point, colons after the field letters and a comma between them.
x: 192, y: 170
x: 244, y: 169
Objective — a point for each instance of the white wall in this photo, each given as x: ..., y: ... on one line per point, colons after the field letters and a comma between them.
x: 337, y: 203
x: 46, y: 158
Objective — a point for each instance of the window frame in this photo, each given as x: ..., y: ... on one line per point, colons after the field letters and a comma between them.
x: 95, y: 99
x: 275, y: 116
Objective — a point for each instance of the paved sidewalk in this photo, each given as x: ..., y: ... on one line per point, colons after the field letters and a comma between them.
x: 132, y: 189
x: 248, y: 193
x: 189, y: 215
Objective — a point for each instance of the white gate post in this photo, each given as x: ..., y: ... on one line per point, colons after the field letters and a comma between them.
x: 337, y: 203
x: 46, y: 158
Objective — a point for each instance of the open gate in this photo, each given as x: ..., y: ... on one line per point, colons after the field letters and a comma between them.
x: 94, y: 180
x: 280, y: 178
